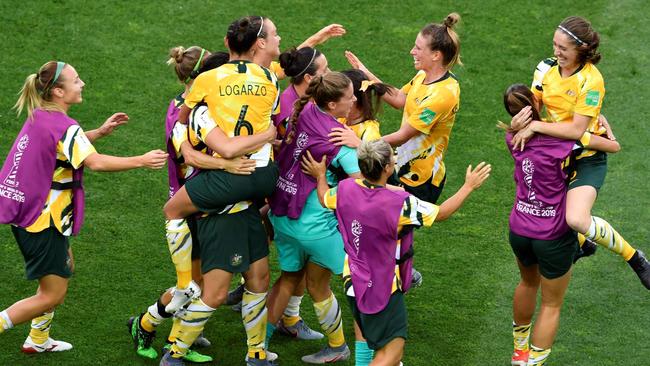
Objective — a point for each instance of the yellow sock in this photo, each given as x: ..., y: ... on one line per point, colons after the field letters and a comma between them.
x: 603, y: 234
x: 329, y: 317
x: 191, y: 325
x: 40, y: 331
x: 581, y: 239
x: 5, y: 321
x: 254, y: 317
x: 521, y: 335
x: 173, y: 334
x: 538, y: 356
x: 179, y: 242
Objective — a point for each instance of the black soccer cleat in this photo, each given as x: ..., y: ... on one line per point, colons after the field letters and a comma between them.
x: 641, y: 267
x: 586, y: 250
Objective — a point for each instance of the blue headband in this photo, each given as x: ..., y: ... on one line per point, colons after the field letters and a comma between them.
x: 59, y: 67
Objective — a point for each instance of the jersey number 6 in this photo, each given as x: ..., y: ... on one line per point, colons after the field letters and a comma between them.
x: 242, y: 122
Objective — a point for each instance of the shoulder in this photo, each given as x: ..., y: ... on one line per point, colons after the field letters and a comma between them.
x: 593, y: 74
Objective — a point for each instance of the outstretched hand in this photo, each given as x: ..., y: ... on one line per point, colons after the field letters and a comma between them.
x: 312, y: 167
x: 112, y: 123
x: 154, y: 159
x: 332, y: 30
x: 355, y: 62
x: 474, y: 178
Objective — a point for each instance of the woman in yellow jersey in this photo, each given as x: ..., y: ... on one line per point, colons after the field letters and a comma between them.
x: 186, y: 155
x: 572, y: 90
x: 240, y: 97
x: 49, y: 201
x: 430, y: 102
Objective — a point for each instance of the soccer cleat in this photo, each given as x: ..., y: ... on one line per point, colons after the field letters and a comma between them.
x: 416, y: 281
x: 300, y: 330
x: 142, y: 339
x: 50, y: 345
x: 235, y: 296
x: 182, y: 296
x: 237, y: 307
x: 586, y: 250
x: 168, y: 360
x: 641, y: 267
x: 328, y: 355
x: 191, y: 355
x: 201, y: 342
x: 519, y: 358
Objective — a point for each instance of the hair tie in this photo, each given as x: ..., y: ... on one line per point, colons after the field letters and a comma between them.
x: 261, y: 26
x: 59, y: 67
x: 365, y: 84
x: 575, y: 38
x: 195, y: 70
x: 308, y: 64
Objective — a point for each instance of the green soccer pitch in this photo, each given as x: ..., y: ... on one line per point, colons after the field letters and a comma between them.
x: 462, y: 313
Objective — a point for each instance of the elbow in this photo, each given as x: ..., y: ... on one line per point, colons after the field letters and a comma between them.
x: 227, y: 153
x: 616, y: 147
x: 93, y: 163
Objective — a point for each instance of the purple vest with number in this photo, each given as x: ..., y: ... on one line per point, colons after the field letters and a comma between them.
x: 368, y: 220
x: 26, y: 176
x: 541, y: 182
x: 293, y: 185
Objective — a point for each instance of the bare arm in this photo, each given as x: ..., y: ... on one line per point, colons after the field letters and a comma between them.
x: 395, y: 97
x: 239, y: 165
x: 154, y: 159
x: 108, y: 126
x: 320, y: 37
x: 231, y: 147
x: 317, y: 170
x: 473, y: 180
x: 402, y: 135
x: 603, y: 144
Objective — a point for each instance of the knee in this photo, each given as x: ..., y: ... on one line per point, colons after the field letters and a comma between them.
x: 318, y: 290
x: 529, y: 283
x: 52, y: 299
x: 258, y: 282
x: 214, y: 299
x: 578, y: 221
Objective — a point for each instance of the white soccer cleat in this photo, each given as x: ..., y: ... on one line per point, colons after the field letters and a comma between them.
x: 50, y: 345
x: 182, y: 296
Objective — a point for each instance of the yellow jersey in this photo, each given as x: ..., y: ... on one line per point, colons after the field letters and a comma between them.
x: 73, y: 148
x: 431, y: 109
x: 580, y: 93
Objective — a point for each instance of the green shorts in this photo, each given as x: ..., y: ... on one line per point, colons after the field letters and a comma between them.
x: 589, y: 171
x: 426, y: 191
x: 555, y: 257
x: 211, y: 191
x: 196, y: 243
x: 381, y: 328
x: 294, y: 253
x: 45, y: 252
x: 232, y: 242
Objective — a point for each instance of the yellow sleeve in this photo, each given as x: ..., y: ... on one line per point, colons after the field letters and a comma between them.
x: 330, y: 198
x: 179, y: 135
x: 538, y: 76
x: 407, y: 87
x: 431, y: 110
x: 590, y: 97
x: 416, y: 212
x: 277, y: 70
x: 75, y: 146
x: 371, y: 133
x: 198, y: 90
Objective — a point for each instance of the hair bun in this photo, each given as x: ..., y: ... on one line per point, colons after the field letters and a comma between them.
x: 176, y: 55
x: 287, y: 59
x: 451, y: 20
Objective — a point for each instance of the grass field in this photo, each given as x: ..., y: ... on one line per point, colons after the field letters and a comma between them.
x: 462, y: 313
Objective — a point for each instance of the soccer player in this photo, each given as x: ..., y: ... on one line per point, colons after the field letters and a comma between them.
x: 545, y: 246
x: 305, y: 234
x: 187, y: 154
x: 240, y: 97
x: 376, y: 223
x: 572, y: 90
x: 42, y: 192
x: 430, y: 102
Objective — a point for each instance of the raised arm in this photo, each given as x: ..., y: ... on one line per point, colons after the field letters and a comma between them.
x: 473, y: 180
x: 320, y: 37
x: 395, y: 97
x: 108, y: 126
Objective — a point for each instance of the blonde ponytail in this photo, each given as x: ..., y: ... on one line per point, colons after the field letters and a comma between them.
x: 29, y: 96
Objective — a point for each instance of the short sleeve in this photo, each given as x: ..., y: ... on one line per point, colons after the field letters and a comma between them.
x: 277, y: 70
x: 75, y: 146
x: 416, y: 212
x: 590, y: 96
x: 431, y: 110
x: 179, y: 135
x: 198, y: 90
x: 538, y: 76
x: 201, y: 122
x: 347, y: 160
x: 330, y: 198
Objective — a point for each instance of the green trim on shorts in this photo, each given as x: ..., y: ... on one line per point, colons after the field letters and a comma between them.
x: 232, y: 242
x: 589, y: 171
x: 554, y: 257
x: 381, y: 328
x: 45, y: 252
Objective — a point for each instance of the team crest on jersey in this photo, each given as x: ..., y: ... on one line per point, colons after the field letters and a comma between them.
x: 236, y: 259
x: 570, y: 93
